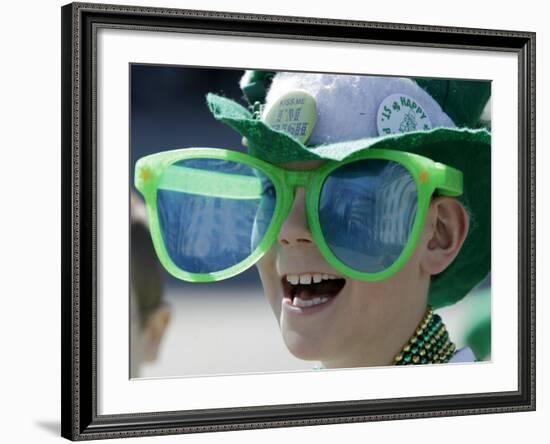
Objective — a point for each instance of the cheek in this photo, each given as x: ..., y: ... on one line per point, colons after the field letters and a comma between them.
x: 378, y: 301
x: 381, y: 302
x: 270, y: 280
x: 368, y: 300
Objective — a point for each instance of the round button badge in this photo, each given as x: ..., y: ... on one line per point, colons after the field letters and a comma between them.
x: 294, y: 113
x: 399, y: 113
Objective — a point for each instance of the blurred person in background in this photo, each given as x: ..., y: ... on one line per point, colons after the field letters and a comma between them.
x: 149, y: 314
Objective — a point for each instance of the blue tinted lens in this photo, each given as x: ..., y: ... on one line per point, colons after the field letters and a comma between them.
x: 219, y: 223
x: 367, y: 210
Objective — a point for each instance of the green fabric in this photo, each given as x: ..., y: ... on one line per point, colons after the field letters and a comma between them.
x: 258, y: 134
x: 465, y: 149
x: 255, y: 84
x: 479, y: 339
x: 462, y: 100
x: 478, y: 336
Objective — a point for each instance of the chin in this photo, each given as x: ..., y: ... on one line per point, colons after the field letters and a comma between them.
x: 302, y: 346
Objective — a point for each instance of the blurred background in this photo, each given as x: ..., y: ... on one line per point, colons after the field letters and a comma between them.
x: 185, y: 329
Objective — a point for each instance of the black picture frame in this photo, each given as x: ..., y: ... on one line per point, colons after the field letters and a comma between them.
x: 80, y: 420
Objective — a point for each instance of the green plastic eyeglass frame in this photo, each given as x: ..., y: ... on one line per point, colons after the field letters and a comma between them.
x: 157, y: 171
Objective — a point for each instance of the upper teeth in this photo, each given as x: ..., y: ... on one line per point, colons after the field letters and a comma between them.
x: 306, y: 278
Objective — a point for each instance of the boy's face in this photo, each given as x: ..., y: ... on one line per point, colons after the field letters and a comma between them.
x: 348, y: 322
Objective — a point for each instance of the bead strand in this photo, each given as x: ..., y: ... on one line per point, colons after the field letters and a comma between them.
x: 430, y: 344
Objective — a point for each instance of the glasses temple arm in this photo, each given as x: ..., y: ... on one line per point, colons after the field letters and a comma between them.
x: 450, y: 181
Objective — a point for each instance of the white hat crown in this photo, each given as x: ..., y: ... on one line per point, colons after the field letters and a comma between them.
x: 351, y: 107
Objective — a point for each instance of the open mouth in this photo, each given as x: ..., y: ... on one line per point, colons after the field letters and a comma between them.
x: 311, y: 289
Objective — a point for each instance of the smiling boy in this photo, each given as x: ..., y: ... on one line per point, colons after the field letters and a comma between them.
x: 363, y: 201
x: 345, y: 322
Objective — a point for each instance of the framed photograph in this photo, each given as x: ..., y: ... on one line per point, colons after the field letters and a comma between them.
x: 276, y: 221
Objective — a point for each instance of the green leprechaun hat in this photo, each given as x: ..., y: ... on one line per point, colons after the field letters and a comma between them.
x: 308, y: 116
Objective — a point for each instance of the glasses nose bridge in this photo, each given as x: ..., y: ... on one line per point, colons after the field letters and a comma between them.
x: 296, y: 179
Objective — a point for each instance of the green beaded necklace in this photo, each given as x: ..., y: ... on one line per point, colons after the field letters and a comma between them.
x: 430, y: 343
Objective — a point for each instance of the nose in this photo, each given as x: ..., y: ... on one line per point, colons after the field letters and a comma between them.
x: 295, y: 230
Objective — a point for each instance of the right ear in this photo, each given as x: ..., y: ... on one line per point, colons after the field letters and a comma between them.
x: 448, y: 223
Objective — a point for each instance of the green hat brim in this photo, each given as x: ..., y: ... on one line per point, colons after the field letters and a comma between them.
x: 465, y: 149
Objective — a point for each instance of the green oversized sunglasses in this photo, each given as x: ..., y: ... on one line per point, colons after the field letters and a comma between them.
x: 213, y: 213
